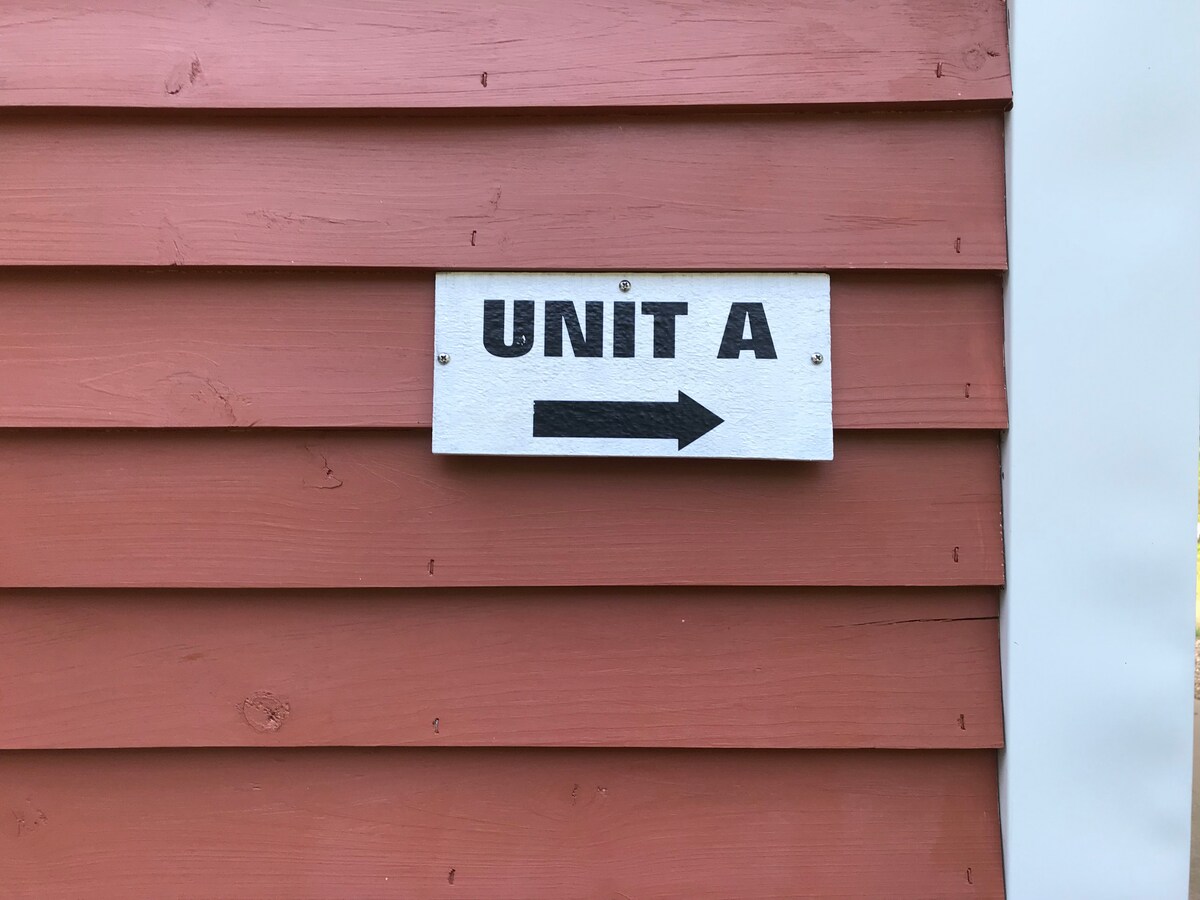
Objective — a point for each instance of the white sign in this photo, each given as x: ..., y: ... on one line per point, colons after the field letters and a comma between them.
x: 605, y: 364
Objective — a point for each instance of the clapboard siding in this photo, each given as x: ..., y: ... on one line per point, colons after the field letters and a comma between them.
x: 681, y: 191
x: 510, y: 53
x: 328, y: 348
x: 260, y: 642
x: 257, y: 508
x: 633, y: 667
x: 520, y: 824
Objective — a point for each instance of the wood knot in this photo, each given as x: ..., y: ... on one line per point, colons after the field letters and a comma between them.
x: 29, y: 820
x: 265, y: 712
x: 973, y: 58
x: 186, y: 74
x: 326, y: 480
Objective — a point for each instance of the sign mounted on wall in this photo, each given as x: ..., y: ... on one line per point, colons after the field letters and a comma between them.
x: 604, y: 364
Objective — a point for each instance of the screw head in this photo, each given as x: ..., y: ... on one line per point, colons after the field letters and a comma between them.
x: 624, y: 286
x: 818, y: 358
x: 443, y: 358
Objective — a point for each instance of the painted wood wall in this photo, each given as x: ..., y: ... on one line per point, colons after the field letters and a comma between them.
x: 257, y: 641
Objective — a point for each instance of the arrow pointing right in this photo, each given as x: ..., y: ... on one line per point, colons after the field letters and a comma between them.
x: 683, y: 419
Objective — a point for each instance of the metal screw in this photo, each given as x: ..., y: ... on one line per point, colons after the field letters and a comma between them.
x: 818, y: 358
x: 443, y: 358
x: 624, y: 286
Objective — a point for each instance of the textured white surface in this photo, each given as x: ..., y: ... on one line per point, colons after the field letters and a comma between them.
x: 1103, y: 319
x: 772, y: 408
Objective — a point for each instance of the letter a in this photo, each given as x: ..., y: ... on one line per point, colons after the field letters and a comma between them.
x: 733, y: 343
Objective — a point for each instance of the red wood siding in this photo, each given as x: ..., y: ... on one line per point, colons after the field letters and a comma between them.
x: 506, y: 53
x: 518, y: 824
x: 188, y: 348
x: 690, y: 667
x: 714, y: 191
x: 259, y: 642
x: 364, y: 509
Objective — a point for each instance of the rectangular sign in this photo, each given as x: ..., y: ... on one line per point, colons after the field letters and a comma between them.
x: 605, y: 364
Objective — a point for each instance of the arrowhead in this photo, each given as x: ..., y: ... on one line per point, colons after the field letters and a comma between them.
x: 692, y: 420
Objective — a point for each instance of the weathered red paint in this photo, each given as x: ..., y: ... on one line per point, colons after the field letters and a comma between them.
x: 689, y: 667
x: 761, y: 145
x: 507, y: 53
x: 361, y: 509
x: 188, y: 348
x: 519, y: 824
x: 695, y: 191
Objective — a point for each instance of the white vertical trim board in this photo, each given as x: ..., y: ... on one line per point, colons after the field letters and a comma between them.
x: 1103, y: 352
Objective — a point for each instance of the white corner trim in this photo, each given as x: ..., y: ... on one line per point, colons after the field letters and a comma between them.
x: 1103, y: 351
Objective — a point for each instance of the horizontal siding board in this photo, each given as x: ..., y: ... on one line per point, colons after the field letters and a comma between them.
x: 697, y: 191
x: 519, y: 824
x: 255, y: 508
x: 923, y: 351
x: 546, y: 53
x: 183, y: 348
x: 649, y: 668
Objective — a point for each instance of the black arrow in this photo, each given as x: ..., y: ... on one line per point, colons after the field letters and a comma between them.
x: 684, y: 419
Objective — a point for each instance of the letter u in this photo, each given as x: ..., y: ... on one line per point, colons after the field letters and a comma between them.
x: 493, y: 328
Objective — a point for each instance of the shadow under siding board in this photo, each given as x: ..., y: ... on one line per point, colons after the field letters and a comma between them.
x: 727, y: 191
x: 545, y: 53
x: 519, y: 824
x: 362, y: 509
x: 661, y: 667
x: 184, y: 348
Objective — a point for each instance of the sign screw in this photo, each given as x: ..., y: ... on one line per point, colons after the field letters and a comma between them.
x: 624, y: 286
x: 818, y: 358
x: 443, y: 358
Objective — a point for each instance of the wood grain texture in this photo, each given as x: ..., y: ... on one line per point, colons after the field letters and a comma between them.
x: 920, y: 351
x: 182, y: 348
x: 519, y: 824
x: 511, y: 53
x: 362, y: 509
x: 648, y: 668
x: 680, y: 192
